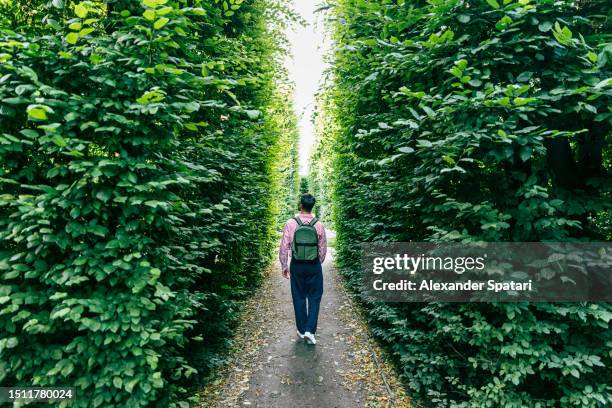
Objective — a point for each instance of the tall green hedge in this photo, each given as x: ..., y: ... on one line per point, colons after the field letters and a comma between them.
x: 320, y: 172
x: 287, y: 189
x: 456, y: 120
x: 137, y: 189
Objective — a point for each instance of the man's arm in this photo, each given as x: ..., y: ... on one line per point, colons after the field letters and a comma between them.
x: 284, y: 248
x: 322, y: 243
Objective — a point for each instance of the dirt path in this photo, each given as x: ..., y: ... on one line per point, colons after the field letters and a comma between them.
x: 272, y: 367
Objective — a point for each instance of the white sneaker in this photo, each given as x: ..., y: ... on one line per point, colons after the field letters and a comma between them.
x: 310, y: 338
x: 300, y: 334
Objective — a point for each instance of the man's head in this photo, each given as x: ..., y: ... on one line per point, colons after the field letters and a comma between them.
x: 307, y: 201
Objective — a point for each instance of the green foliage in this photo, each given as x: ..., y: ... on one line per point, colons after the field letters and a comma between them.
x: 286, y: 157
x: 304, y: 185
x: 452, y: 120
x: 321, y: 173
x: 136, y: 171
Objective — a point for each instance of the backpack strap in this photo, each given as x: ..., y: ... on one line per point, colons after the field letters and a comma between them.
x: 300, y: 222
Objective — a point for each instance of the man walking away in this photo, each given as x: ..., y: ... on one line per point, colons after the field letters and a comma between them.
x: 304, y: 237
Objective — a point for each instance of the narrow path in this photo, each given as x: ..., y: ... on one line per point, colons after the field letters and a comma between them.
x: 272, y: 367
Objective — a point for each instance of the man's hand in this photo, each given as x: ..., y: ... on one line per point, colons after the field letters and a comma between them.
x: 286, y: 273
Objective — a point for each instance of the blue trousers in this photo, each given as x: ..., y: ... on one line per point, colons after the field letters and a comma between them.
x: 306, y: 292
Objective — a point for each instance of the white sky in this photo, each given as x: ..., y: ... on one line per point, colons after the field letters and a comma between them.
x: 306, y: 70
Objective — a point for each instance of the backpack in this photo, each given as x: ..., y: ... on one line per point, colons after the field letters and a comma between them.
x: 305, y: 245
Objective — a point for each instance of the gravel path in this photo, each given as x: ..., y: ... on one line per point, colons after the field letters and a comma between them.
x: 272, y: 367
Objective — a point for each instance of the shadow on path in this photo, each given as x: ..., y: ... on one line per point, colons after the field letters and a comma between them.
x: 298, y: 374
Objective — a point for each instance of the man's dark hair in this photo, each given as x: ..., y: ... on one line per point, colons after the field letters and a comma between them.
x: 307, y: 201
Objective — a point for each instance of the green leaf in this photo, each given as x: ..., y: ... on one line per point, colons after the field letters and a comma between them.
x: 99, y: 400
x: 154, y: 3
x: 493, y: 3
x: 12, y: 342
x: 29, y: 133
x: 149, y: 15
x: 430, y: 112
x: 462, y: 64
x: 545, y: 26
x: 59, y: 141
x: 72, y: 38
x: 85, y: 32
x: 154, y: 203
x: 129, y: 386
x: 80, y: 10
x: 526, y: 152
x: 525, y: 76
x: 160, y: 23
x: 152, y: 361
x: 253, y: 113
x: 503, y: 23
x: 522, y: 101
x: 592, y: 56
x: 562, y: 35
x: 99, y: 230
x: 163, y: 11
x: 104, y: 195
x: 36, y: 112
x: 60, y: 313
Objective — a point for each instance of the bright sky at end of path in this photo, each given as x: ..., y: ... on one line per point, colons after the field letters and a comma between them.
x: 306, y: 68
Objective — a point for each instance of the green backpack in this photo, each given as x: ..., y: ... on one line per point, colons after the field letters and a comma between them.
x: 305, y: 245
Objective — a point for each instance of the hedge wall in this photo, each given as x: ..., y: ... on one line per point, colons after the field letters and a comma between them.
x: 320, y: 172
x: 137, y: 188
x: 286, y: 159
x: 455, y: 120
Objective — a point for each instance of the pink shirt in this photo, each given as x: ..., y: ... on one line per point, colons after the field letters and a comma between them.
x: 290, y: 227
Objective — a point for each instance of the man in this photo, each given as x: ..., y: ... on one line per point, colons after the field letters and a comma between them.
x: 304, y: 237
